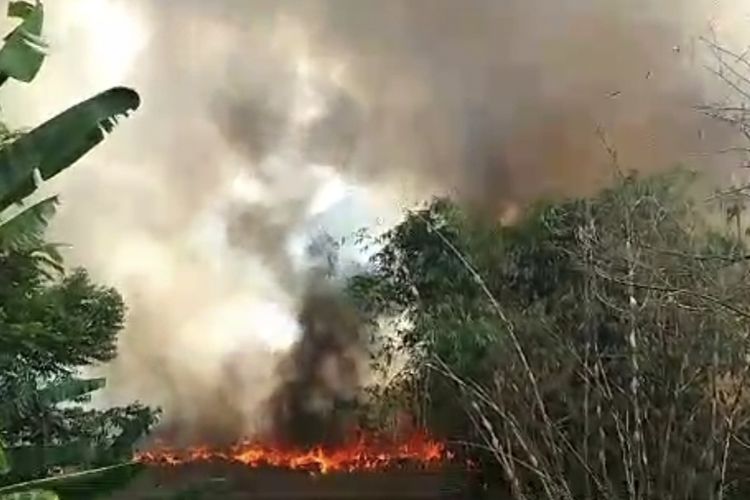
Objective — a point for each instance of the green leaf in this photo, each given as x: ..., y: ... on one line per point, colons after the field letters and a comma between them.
x: 24, y: 51
x: 60, y: 142
x: 49, y: 260
x: 70, y: 390
x: 31, y: 460
x: 20, y: 8
x: 31, y: 495
x: 94, y: 483
x: 4, y: 467
x: 25, y: 230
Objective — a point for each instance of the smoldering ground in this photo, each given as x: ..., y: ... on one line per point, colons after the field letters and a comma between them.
x: 193, y: 206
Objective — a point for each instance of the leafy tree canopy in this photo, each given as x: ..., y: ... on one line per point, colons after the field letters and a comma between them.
x: 549, y: 341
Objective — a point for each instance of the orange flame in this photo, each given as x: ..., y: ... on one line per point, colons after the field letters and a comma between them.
x: 364, y: 453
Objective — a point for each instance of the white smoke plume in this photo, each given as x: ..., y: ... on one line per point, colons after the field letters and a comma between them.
x: 260, y: 117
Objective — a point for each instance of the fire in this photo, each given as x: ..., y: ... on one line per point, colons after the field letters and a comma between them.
x: 364, y: 453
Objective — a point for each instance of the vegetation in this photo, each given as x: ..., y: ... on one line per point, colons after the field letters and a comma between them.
x: 50, y: 329
x: 27, y: 159
x: 598, y: 347
x: 52, y: 324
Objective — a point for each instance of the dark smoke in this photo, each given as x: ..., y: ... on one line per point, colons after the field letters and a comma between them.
x: 320, y: 378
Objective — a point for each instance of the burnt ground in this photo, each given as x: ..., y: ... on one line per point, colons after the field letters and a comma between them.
x: 235, y: 481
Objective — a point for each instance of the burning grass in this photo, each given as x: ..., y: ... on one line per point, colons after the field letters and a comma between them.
x: 364, y: 453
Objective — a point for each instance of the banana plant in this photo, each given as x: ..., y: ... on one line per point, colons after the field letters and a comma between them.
x: 30, y: 460
x: 87, y: 485
x: 91, y: 483
x: 28, y: 159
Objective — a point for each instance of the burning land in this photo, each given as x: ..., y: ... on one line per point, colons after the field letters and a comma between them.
x: 333, y: 249
x: 364, y: 454
x: 313, y: 414
x: 415, y: 468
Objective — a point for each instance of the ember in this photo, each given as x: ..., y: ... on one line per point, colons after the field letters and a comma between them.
x: 364, y: 453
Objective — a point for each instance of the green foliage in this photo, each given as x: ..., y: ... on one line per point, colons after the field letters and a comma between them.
x: 25, y: 230
x: 23, y: 53
x: 71, y: 389
x: 29, y: 158
x: 52, y: 324
x: 4, y: 467
x: 47, y: 330
x: 79, y: 439
x: 31, y: 495
x: 50, y: 327
x: 90, y: 484
x: 588, y: 339
x: 60, y: 142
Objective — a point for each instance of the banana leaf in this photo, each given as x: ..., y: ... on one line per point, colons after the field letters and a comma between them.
x: 87, y: 485
x: 4, y: 467
x: 67, y: 390
x: 61, y: 141
x: 70, y: 389
x: 24, y: 51
x: 31, y: 495
x: 31, y: 460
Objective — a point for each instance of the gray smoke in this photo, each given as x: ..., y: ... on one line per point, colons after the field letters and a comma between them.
x: 196, y: 207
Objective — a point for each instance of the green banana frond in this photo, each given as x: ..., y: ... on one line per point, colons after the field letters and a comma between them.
x: 4, y: 467
x: 65, y: 390
x: 31, y: 460
x: 58, y: 143
x: 95, y: 483
x: 31, y: 495
x: 24, y: 51
x: 71, y: 389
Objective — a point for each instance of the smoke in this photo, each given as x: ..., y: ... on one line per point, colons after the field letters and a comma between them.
x: 261, y: 116
x: 321, y: 376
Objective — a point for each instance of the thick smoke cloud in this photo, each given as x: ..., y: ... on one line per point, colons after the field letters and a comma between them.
x: 196, y: 207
